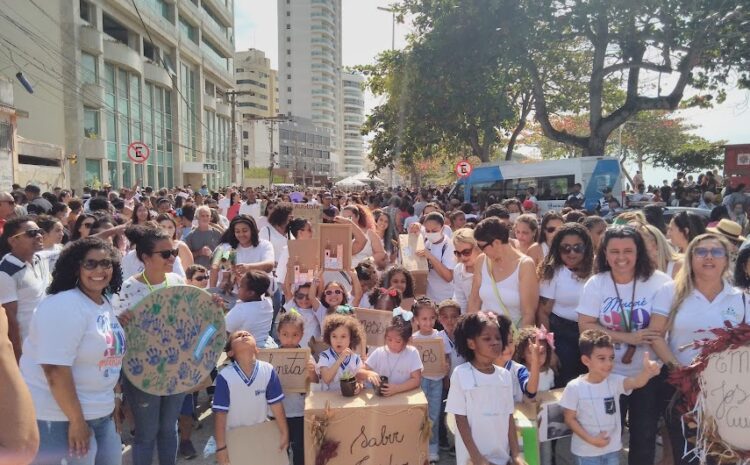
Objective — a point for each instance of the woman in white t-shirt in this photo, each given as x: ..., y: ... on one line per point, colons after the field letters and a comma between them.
x: 618, y: 300
x: 155, y: 416
x: 466, y: 253
x: 701, y: 298
x: 252, y: 252
x: 562, y: 275
x: 72, y: 358
x: 505, y: 280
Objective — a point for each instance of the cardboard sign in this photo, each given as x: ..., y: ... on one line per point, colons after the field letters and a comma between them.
x: 432, y: 352
x: 420, y: 283
x: 409, y: 245
x: 529, y: 417
x: 304, y: 259
x: 290, y: 366
x: 174, y: 339
x: 312, y: 213
x: 374, y: 322
x: 725, y: 394
x: 368, y: 428
x: 336, y: 246
x: 256, y: 444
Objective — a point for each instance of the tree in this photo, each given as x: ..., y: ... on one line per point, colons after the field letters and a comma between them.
x: 694, y: 154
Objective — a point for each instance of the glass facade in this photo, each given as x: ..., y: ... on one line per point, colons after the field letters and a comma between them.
x: 216, y: 136
x: 188, y: 117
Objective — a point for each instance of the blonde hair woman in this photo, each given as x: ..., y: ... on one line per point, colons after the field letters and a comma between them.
x: 466, y: 252
x: 660, y: 251
x: 699, y: 299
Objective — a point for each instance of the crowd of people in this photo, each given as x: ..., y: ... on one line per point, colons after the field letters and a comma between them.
x: 624, y: 294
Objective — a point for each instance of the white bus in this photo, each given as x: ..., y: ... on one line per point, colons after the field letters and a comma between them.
x: 552, y: 180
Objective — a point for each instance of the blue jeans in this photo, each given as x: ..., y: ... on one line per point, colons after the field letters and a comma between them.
x: 613, y: 458
x: 433, y: 390
x: 155, y: 424
x: 105, y: 447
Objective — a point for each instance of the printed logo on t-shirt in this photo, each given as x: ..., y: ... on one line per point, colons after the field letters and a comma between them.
x: 260, y: 391
x: 114, y: 336
x: 729, y: 314
x: 609, y: 406
x: 612, y: 318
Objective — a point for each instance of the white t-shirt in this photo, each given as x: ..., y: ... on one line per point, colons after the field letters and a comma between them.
x: 397, y: 367
x: 252, y: 209
x: 446, y: 349
x: 313, y: 321
x: 69, y: 329
x: 24, y: 283
x: 439, y: 289
x: 599, y: 300
x: 246, y: 399
x: 328, y: 357
x: 277, y: 240
x: 565, y: 289
x: 489, y: 429
x: 224, y: 205
x: 450, y: 345
x: 133, y: 291
x: 254, y: 317
x: 262, y: 253
x: 597, y: 408
x: 462, y: 281
x: 131, y: 266
x: 695, y: 314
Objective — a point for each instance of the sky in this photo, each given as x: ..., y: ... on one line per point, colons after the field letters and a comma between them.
x: 367, y: 32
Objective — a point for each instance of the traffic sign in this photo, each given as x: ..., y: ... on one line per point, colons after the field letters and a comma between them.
x: 463, y: 169
x: 138, y: 152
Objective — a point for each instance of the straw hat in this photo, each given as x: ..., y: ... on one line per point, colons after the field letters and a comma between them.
x: 728, y: 229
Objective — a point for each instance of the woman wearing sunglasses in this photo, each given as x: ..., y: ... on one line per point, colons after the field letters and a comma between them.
x: 131, y: 265
x: 72, y: 359
x: 551, y: 222
x: 169, y: 225
x: 505, y: 280
x: 23, y: 275
x: 562, y: 275
x: 83, y: 225
x: 155, y: 416
x: 618, y: 300
x: 700, y: 298
x: 466, y: 252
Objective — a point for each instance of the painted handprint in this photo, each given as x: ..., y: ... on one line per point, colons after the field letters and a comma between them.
x: 171, y: 385
x: 196, y: 377
x: 154, y: 356
x: 181, y: 330
x: 183, y: 371
x: 157, y: 326
x: 135, y: 365
x: 209, y: 359
x: 172, y: 355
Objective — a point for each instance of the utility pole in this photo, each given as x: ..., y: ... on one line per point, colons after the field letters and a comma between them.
x: 233, y: 94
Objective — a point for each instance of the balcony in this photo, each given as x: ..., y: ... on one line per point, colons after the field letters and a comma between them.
x: 121, y: 54
x: 209, y: 102
x: 189, y: 48
x: 91, y: 40
x: 93, y: 148
x: 218, y: 37
x: 93, y: 95
x: 218, y: 72
x: 156, y: 73
x: 190, y: 10
x: 225, y: 13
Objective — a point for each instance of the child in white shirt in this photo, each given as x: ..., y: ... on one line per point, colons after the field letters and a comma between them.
x: 525, y: 380
x: 449, y: 312
x: 303, y: 300
x: 254, y: 312
x: 343, y: 334
x: 591, y: 402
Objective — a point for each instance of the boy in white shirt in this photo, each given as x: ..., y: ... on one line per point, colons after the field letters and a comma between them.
x: 591, y: 402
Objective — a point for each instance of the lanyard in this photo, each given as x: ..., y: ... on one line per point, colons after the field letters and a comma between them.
x: 626, y: 316
x: 148, y: 284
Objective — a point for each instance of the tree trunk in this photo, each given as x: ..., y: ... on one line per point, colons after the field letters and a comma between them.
x: 596, y: 145
x: 416, y: 180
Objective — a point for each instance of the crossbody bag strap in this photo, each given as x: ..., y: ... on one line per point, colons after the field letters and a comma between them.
x: 494, y: 288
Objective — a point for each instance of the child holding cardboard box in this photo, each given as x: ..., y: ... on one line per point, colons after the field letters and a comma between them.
x: 591, y: 402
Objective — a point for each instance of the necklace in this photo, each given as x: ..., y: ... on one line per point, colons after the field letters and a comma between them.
x: 395, y: 365
x: 473, y: 375
x: 149, y: 285
x: 626, y: 316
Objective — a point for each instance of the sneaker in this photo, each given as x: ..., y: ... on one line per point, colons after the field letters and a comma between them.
x: 434, y: 458
x: 187, y: 451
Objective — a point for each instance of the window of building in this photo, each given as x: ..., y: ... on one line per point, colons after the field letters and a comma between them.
x: 288, y: 14
x: 85, y: 11
x: 245, y: 150
x: 288, y: 89
x: 114, y: 29
x: 188, y: 30
x: 288, y: 76
x: 288, y: 26
x: 288, y: 52
x: 289, y: 102
x: 288, y: 39
x: 6, y: 136
x: 209, y: 88
x: 91, y: 123
x: 288, y: 64
x: 240, y: 70
x: 150, y: 51
x: 245, y: 135
x: 88, y: 69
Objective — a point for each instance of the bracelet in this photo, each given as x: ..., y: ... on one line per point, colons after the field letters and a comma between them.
x: 221, y: 449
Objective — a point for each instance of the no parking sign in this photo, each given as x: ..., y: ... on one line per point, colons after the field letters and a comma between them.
x: 138, y: 152
x: 463, y: 169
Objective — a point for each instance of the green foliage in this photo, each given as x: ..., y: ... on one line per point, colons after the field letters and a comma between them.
x: 694, y: 154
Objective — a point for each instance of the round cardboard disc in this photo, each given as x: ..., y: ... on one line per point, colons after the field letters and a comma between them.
x: 174, y: 340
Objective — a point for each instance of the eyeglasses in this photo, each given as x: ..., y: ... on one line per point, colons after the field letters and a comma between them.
x: 575, y: 248
x: 483, y: 246
x: 301, y: 296
x: 200, y: 279
x: 32, y: 233
x: 105, y: 263
x: 333, y: 291
x: 715, y: 252
x: 165, y: 254
x: 464, y: 253
x: 550, y: 229
x: 87, y: 225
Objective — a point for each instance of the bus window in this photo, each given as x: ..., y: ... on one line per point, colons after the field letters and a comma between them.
x: 554, y: 187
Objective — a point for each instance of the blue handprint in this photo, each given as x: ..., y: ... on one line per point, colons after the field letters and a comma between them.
x: 181, y: 330
x: 146, y: 321
x: 136, y: 366
x: 209, y: 359
x: 154, y: 356
x: 157, y: 326
x: 171, y: 385
x: 196, y: 377
x: 183, y: 371
x: 195, y: 329
x: 172, y: 355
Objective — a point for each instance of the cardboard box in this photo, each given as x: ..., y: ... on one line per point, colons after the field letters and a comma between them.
x: 312, y: 213
x: 432, y: 353
x: 304, y: 255
x: 528, y: 419
x: 335, y: 247
x: 410, y: 244
x: 420, y: 283
x: 290, y: 366
x: 256, y: 444
x: 374, y: 322
x: 368, y: 428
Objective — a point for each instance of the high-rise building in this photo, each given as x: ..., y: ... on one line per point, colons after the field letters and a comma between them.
x: 354, y: 118
x: 104, y: 79
x: 310, y: 65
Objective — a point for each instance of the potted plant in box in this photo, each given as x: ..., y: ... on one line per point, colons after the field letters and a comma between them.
x: 348, y: 384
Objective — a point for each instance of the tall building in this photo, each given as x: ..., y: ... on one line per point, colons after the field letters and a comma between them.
x: 305, y: 152
x: 103, y: 79
x: 354, y: 118
x: 310, y: 65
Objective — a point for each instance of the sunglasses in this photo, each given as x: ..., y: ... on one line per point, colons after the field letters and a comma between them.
x: 576, y: 248
x: 105, y: 263
x: 462, y: 253
x: 483, y: 246
x: 200, y: 279
x: 165, y: 254
x: 715, y: 252
x: 32, y: 233
x: 333, y: 291
x: 301, y: 296
x: 550, y: 229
